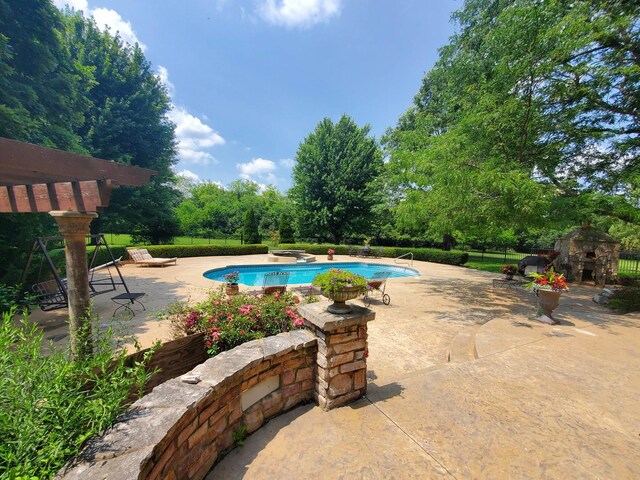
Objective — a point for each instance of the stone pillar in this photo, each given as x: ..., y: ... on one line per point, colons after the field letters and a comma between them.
x: 341, y: 363
x: 74, y: 227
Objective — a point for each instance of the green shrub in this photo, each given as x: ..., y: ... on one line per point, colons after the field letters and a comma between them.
x: 13, y: 296
x: 424, y: 254
x: 181, y: 251
x: 50, y: 405
x: 627, y: 297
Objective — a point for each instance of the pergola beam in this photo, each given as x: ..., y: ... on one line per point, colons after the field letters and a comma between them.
x: 24, y: 164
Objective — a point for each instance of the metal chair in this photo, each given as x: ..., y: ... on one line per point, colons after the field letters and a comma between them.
x: 376, y: 286
x: 275, y: 282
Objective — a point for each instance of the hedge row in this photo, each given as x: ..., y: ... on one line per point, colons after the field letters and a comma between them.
x: 180, y: 251
x: 424, y: 254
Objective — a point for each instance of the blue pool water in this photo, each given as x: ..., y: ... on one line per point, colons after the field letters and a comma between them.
x: 303, y: 273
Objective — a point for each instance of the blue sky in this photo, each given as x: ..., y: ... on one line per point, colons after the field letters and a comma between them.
x: 250, y: 79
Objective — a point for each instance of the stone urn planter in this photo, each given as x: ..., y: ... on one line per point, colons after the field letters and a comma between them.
x: 340, y: 298
x: 231, y: 289
x: 548, y: 301
x: 329, y: 257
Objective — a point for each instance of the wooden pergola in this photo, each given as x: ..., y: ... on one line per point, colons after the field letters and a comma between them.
x: 71, y: 188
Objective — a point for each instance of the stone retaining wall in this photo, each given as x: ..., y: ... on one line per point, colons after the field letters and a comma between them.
x: 184, y: 425
x: 180, y: 429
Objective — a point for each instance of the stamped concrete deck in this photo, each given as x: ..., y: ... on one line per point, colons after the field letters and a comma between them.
x: 462, y: 384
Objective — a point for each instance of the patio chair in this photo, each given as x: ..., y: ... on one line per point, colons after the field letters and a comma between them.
x: 275, y: 282
x: 142, y: 257
x: 353, y: 251
x: 376, y: 286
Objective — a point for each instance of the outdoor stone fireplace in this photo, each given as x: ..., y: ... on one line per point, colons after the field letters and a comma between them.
x: 588, y: 255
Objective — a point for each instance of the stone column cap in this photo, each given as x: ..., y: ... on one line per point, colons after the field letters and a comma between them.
x: 317, y: 315
x: 72, y: 214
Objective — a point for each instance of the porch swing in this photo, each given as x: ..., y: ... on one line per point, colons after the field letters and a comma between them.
x: 51, y: 294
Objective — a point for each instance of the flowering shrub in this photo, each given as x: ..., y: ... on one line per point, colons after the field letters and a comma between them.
x: 335, y: 279
x: 549, y: 280
x: 230, y: 321
x: 331, y: 251
x: 232, y: 277
x: 509, y: 269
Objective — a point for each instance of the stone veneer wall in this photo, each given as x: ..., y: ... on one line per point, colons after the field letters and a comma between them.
x: 180, y: 429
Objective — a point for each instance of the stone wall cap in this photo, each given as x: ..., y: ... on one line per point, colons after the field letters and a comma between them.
x: 173, y: 393
x: 317, y: 315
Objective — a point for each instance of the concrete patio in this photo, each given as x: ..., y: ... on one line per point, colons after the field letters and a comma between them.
x: 462, y: 384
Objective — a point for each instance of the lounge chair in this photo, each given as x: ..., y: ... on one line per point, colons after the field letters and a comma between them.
x: 142, y: 257
x: 275, y: 282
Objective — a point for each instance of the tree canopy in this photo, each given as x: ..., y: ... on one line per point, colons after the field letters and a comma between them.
x: 531, y: 107
x: 336, y: 167
x: 65, y: 84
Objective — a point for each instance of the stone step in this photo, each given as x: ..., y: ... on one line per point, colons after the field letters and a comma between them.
x: 463, y: 346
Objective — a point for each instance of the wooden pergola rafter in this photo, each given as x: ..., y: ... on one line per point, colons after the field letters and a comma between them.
x: 71, y: 188
x: 39, y: 179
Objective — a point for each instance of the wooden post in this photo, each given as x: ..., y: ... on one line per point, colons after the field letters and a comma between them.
x: 74, y: 227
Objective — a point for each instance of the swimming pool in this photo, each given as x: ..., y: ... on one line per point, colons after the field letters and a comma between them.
x: 253, y: 275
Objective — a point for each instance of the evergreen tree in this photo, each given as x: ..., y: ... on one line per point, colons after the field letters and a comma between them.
x: 127, y: 122
x: 286, y: 229
x: 250, y: 230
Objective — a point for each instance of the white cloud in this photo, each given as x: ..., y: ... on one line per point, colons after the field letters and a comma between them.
x: 287, y: 162
x: 298, y: 13
x: 193, y: 137
x: 75, y: 4
x: 105, y: 17
x: 163, y: 75
x: 189, y: 175
x: 258, y: 166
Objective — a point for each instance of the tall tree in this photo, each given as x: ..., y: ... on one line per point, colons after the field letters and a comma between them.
x: 333, y: 180
x: 250, y: 230
x: 41, y: 88
x: 127, y: 122
x: 42, y: 101
x: 529, y: 103
x: 285, y: 229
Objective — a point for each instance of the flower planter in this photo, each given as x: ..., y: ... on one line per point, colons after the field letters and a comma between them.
x: 231, y: 289
x: 509, y: 276
x: 329, y: 257
x: 340, y: 298
x: 548, y: 301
